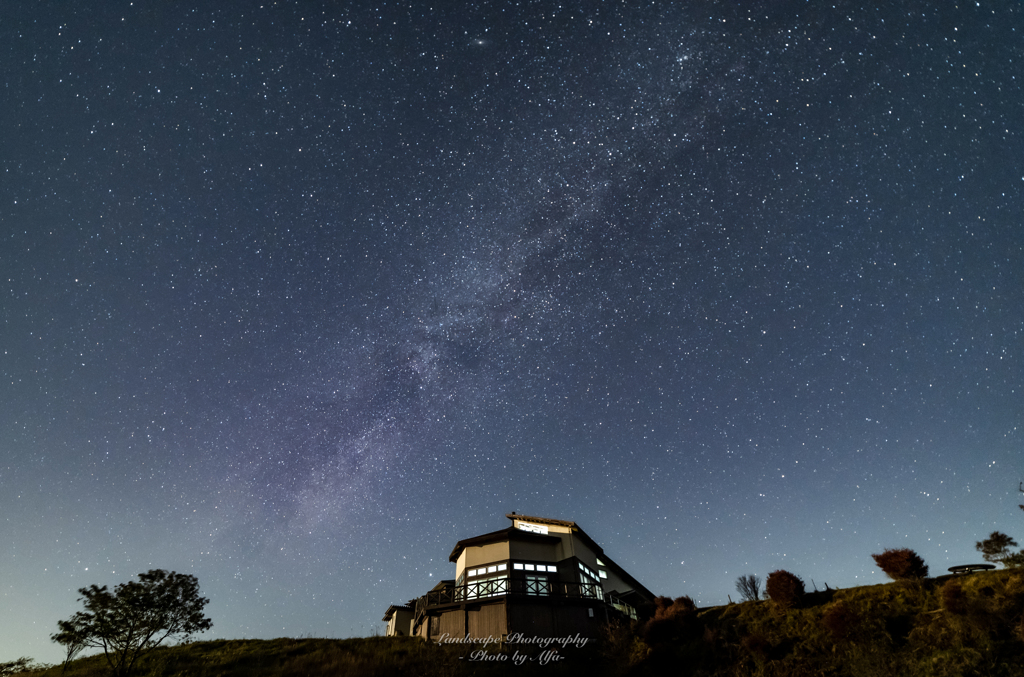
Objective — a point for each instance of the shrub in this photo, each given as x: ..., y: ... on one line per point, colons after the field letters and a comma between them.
x: 953, y: 598
x: 840, y: 620
x: 673, y: 621
x: 666, y: 608
x: 901, y: 564
x: 784, y: 588
x: 757, y: 645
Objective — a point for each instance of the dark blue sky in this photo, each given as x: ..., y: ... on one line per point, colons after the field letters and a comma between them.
x: 298, y: 295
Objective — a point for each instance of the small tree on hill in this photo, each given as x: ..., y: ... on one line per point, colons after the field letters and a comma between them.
x: 135, y: 618
x: 901, y: 564
x: 784, y: 588
x: 996, y: 548
x: 749, y: 587
x: 19, y: 666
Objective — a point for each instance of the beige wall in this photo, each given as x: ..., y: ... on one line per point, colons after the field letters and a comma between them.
x: 481, y: 554
x: 399, y: 623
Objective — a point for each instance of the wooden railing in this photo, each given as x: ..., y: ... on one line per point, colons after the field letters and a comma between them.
x: 497, y: 587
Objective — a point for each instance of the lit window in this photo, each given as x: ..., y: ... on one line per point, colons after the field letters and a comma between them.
x: 603, y: 573
x: 491, y: 569
x: 517, y: 566
x: 552, y: 568
x: 537, y: 585
x: 530, y: 567
x: 600, y: 563
x: 502, y: 567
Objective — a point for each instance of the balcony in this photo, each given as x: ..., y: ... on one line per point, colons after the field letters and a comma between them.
x: 529, y: 588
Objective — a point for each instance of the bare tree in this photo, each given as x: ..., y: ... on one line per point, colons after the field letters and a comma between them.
x: 749, y: 587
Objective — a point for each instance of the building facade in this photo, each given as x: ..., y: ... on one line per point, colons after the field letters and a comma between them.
x: 539, y: 577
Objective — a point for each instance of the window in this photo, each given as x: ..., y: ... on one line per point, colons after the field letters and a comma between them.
x: 590, y: 585
x: 537, y: 585
x: 524, y: 566
x: 602, y: 573
x: 487, y: 587
x: 489, y: 569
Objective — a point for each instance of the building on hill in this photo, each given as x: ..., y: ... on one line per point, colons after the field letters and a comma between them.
x: 539, y: 577
x: 399, y: 620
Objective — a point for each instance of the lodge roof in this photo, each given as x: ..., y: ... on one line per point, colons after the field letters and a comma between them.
x: 511, y: 533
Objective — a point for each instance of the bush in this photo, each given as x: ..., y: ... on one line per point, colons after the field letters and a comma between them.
x: 784, y: 588
x: 901, y: 564
x: 673, y: 621
x: 953, y: 598
x: 840, y: 620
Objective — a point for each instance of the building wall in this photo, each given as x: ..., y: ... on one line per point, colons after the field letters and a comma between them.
x: 542, y: 552
x: 399, y: 623
x: 551, y: 528
x: 488, y: 621
x: 481, y: 554
x: 540, y: 620
x: 453, y: 623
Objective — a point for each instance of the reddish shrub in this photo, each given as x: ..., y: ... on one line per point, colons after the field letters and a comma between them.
x: 901, y: 564
x: 673, y: 621
x: 784, y: 588
x: 666, y: 608
x: 953, y: 598
x: 756, y: 645
x: 841, y: 621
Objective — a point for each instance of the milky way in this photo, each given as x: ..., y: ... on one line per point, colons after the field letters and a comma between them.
x: 297, y: 297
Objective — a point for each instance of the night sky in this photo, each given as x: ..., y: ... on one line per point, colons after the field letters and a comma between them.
x: 295, y: 296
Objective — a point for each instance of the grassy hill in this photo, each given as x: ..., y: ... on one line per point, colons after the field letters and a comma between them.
x: 969, y: 625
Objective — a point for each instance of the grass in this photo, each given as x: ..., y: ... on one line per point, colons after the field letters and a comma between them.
x: 366, y: 657
x: 936, y: 627
x: 944, y: 627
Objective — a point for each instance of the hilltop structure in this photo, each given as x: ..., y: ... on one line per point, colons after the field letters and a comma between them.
x: 540, y: 577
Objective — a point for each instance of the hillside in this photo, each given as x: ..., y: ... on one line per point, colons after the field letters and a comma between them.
x: 969, y: 625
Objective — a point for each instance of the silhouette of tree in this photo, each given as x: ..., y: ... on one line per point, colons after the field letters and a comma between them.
x: 901, y: 564
x: 749, y: 587
x: 135, y: 618
x: 995, y: 548
x: 19, y: 666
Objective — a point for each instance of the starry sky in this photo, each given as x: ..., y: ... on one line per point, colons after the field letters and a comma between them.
x: 297, y: 295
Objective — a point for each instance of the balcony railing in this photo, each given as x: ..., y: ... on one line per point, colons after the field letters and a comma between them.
x: 534, y: 587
